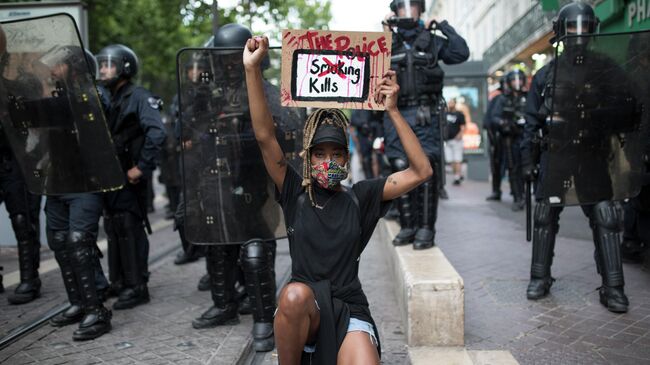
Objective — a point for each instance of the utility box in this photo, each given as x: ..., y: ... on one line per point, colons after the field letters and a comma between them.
x: 76, y: 9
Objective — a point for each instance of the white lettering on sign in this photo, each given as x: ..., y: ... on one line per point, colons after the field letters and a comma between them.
x: 323, y: 76
x: 639, y: 9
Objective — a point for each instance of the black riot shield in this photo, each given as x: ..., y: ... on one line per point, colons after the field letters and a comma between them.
x: 229, y: 197
x: 50, y: 111
x: 598, y: 126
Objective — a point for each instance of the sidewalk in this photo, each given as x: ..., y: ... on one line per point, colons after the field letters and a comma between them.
x: 485, y: 242
x: 161, y: 333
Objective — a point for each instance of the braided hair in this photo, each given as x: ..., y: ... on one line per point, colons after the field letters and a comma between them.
x: 319, y: 117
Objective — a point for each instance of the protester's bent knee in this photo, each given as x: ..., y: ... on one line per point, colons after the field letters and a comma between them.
x: 295, y: 299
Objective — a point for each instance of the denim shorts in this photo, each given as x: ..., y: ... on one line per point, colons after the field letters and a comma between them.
x: 354, y: 326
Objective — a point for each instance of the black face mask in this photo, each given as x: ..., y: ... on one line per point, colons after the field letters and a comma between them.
x: 409, y: 33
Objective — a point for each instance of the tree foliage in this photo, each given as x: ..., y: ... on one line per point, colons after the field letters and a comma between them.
x: 157, y: 29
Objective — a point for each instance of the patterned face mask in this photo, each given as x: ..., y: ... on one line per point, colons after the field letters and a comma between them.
x: 329, y: 174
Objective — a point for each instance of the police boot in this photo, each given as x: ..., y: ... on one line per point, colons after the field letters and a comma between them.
x: 28, y: 258
x: 606, y: 226
x: 260, y: 285
x: 2, y: 287
x: 544, y: 232
x: 220, y: 262
x: 135, y: 290
x: 63, y: 255
x: 189, y: 253
x: 204, y: 283
x: 495, y: 196
x: 517, y: 187
x: 97, y: 319
x: 632, y: 251
x: 428, y: 197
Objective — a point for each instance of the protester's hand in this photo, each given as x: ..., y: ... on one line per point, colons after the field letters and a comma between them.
x: 134, y: 174
x: 459, y: 136
x: 254, y: 52
x: 387, y: 90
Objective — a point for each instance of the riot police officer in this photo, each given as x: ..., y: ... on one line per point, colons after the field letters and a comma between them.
x: 364, y: 123
x: 138, y: 135
x: 193, y: 69
x: 415, y: 55
x: 73, y: 220
x: 509, y: 114
x: 23, y: 208
x: 256, y: 255
x: 604, y: 216
x: 491, y: 123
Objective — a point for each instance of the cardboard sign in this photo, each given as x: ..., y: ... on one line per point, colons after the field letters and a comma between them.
x: 327, y: 69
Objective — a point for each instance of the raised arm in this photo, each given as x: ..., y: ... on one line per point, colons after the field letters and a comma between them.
x: 276, y: 165
x: 419, y: 169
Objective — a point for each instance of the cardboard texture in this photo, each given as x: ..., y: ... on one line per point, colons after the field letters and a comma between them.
x: 329, y: 69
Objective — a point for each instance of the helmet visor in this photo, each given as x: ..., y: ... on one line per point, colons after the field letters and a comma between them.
x: 110, y: 67
x: 407, y: 8
x: 517, y: 81
x: 56, y: 56
x: 581, y: 25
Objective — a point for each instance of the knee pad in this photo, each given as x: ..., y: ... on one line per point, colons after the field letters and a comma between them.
x: 81, y: 245
x: 22, y: 227
x: 608, y: 215
x: 254, y: 255
x: 56, y: 240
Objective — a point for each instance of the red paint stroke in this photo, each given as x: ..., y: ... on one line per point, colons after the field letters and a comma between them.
x: 286, y: 35
x: 332, y: 67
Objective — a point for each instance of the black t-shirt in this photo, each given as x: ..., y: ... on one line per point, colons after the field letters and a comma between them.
x: 325, y: 244
x: 454, y: 121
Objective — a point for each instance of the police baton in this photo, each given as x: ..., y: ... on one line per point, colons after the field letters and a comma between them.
x: 529, y: 210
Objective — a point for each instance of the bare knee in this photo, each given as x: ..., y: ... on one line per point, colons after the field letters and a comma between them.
x: 296, y: 300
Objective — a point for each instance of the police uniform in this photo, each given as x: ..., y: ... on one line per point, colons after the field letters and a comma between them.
x: 138, y: 135
x: 507, y: 114
x: 491, y: 125
x: 415, y: 56
x: 604, y: 217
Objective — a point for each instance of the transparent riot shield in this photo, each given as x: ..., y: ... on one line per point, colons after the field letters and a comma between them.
x: 598, y: 127
x: 51, y: 114
x: 229, y: 197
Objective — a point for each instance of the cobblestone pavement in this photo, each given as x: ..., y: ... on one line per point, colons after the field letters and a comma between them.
x: 486, y: 244
x: 161, y: 333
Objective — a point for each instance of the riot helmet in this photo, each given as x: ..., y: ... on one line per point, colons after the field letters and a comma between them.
x: 232, y: 35
x: 68, y: 62
x: 516, y: 80
x: 116, y: 62
x: 576, y: 18
x: 396, y: 4
x: 92, y: 63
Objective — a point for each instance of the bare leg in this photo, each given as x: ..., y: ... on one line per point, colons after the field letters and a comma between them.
x: 357, y: 349
x: 296, y: 322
